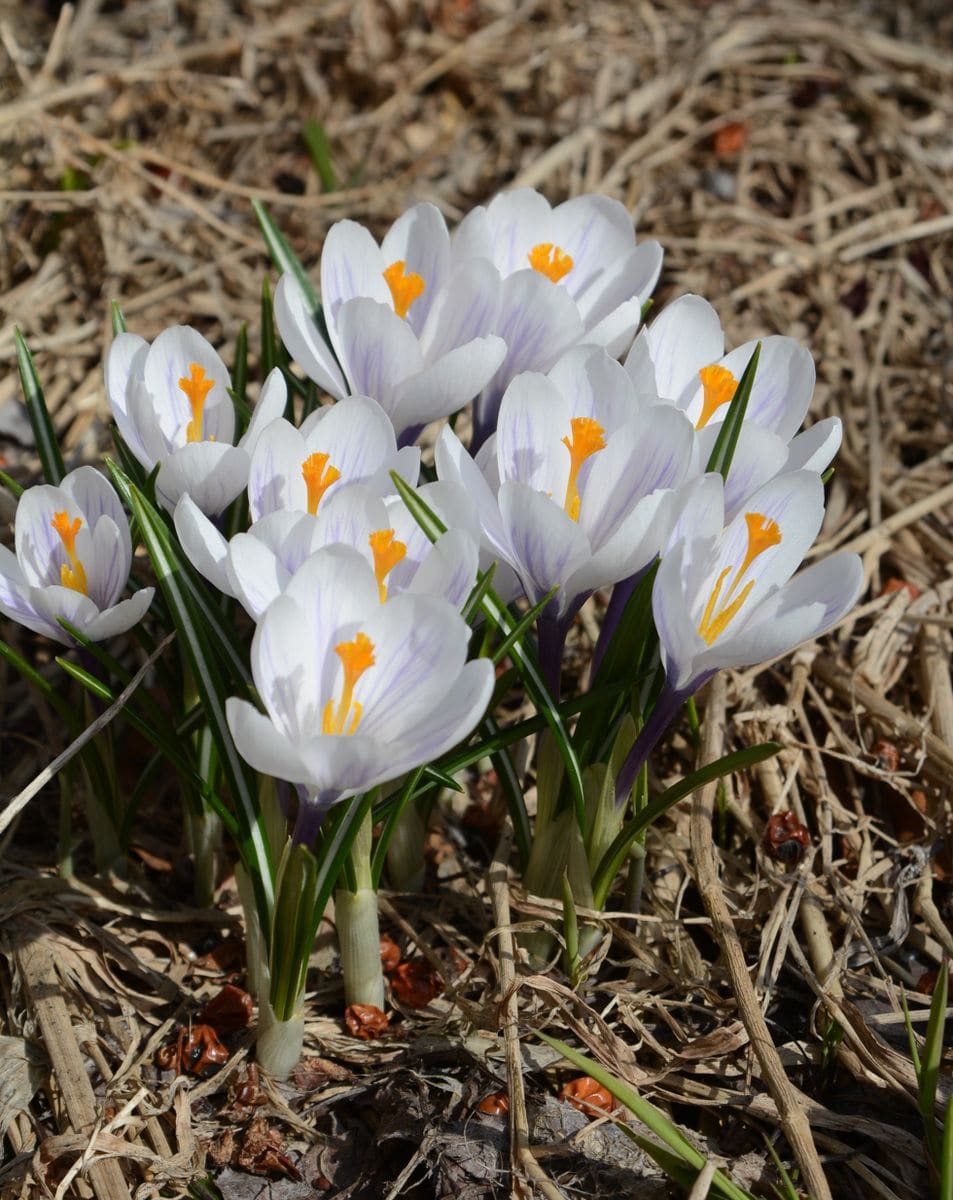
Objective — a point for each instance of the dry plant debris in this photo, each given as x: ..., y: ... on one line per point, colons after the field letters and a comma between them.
x: 795, y: 160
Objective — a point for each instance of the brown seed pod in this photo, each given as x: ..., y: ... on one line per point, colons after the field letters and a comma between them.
x: 229, y: 1011
x: 390, y: 953
x: 497, y: 1104
x: 415, y: 983
x: 587, y: 1095
x: 366, y: 1021
x: 785, y: 838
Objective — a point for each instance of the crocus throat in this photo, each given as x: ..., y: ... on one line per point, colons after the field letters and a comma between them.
x: 73, y: 574
x: 587, y: 439
x: 196, y: 388
x: 405, y: 286
x: 356, y: 657
x: 388, y: 552
x: 763, y: 533
x: 550, y: 261
x: 318, y: 477
x: 719, y: 387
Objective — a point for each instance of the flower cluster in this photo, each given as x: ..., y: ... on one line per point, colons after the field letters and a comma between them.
x: 591, y: 452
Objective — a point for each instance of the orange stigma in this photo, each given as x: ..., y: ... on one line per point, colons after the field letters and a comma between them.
x: 196, y: 388
x: 550, y: 261
x: 720, y: 386
x: 318, y: 477
x: 73, y: 574
x: 763, y: 533
x: 405, y: 286
x: 587, y: 439
x: 356, y: 657
x: 388, y: 552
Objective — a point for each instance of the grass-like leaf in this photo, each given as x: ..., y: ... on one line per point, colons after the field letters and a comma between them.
x: 193, y: 630
x: 723, y: 450
x: 614, y: 857
x: 929, y: 1073
x: 118, y: 320
x: 651, y: 1117
x: 47, y: 445
x: 319, y: 151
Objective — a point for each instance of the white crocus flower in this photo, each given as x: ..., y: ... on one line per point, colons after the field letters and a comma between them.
x: 572, y: 488
x: 726, y: 597
x: 680, y: 359
x: 255, y: 567
x: 356, y: 692
x: 404, y: 326
x: 170, y: 401
x: 298, y: 470
x: 570, y: 274
x: 73, y: 554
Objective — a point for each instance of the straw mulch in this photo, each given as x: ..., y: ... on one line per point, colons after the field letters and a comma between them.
x: 796, y: 161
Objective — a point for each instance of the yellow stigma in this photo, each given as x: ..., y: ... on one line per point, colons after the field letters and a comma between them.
x: 72, y: 575
x: 388, y: 552
x: 763, y: 533
x: 196, y: 389
x: 356, y: 657
x: 587, y: 438
x: 318, y: 477
x: 405, y: 286
x: 720, y: 386
x: 550, y: 261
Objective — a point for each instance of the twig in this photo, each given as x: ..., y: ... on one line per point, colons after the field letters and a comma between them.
x: 522, y: 1159
x: 793, y: 1119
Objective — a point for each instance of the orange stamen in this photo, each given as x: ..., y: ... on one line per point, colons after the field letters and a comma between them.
x: 388, y: 552
x: 763, y: 533
x: 318, y: 477
x: 72, y: 575
x: 550, y: 261
x: 356, y: 657
x: 405, y: 286
x: 587, y: 439
x: 196, y: 388
x: 720, y: 386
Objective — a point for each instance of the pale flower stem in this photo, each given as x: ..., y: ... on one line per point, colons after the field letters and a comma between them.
x: 360, y: 941
x: 280, y: 1043
x: 635, y: 880
x: 358, y: 927
x: 203, y: 836
x: 65, y: 847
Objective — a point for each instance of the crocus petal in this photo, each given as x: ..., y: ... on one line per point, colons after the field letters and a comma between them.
x: 205, y: 547
x: 107, y: 565
x: 304, y: 343
x: 212, y: 473
x: 783, y: 383
x: 264, y: 747
x: 547, y: 546
x: 378, y: 350
x: 256, y: 576
x: 125, y: 360
x: 122, y: 616
x: 352, y: 265
x: 467, y: 308
x: 515, y: 220
x: 169, y: 359
x: 448, y: 384
x: 803, y: 609
x: 270, y: 407
x: 814, y: 449
x: 420, y: 240
x: 682, y: 339
x: 449, y: 571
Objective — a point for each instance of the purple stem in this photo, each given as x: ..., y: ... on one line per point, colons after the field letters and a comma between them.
x: 666, y: 709
x: 621, y: 595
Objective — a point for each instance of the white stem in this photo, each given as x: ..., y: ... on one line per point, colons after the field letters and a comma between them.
x: 280, y: 1043
x: 360, y: 941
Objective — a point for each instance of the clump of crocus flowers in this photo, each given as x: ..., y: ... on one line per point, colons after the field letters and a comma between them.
x: 640, y: 462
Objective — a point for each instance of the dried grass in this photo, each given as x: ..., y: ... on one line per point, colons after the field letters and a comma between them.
x: 133, y: 136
